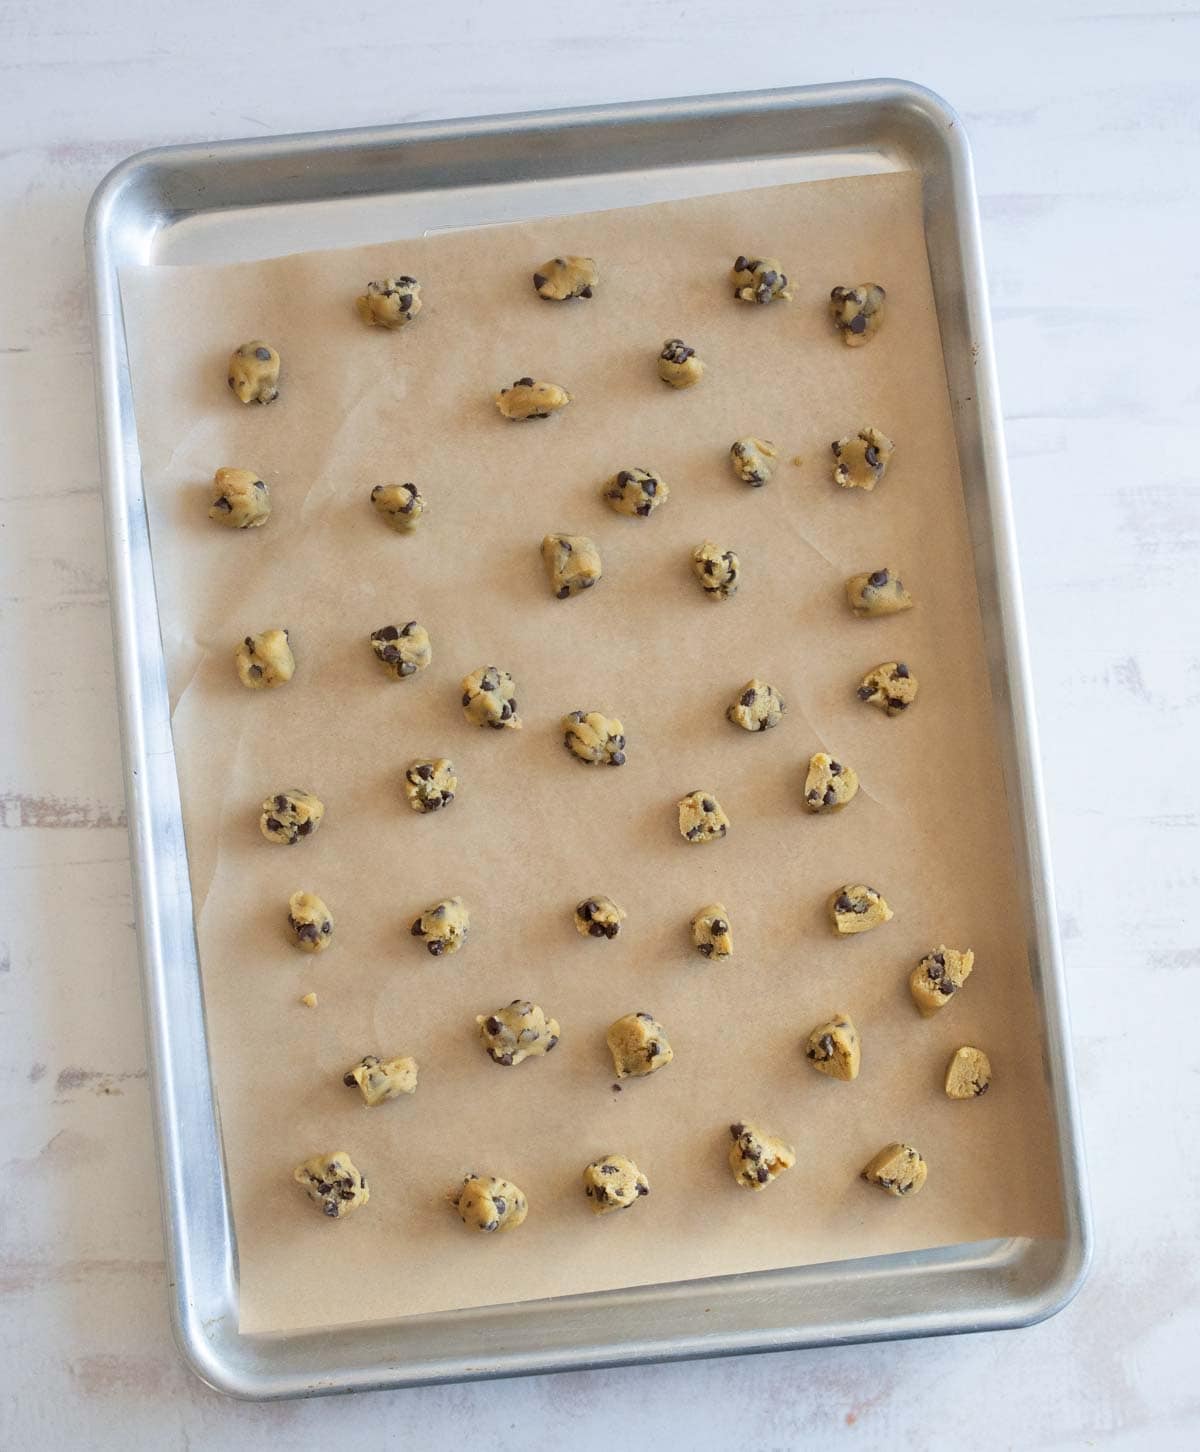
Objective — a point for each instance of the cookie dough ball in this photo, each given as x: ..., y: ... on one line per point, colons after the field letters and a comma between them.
x: 716, y: 570
x: 861, y: 459
x: 701, y: 818
x: 488, y: 1203
x: 288, y: 816
x: 401, y: 506
x: 756, y: 1157
x: 390, y: 303
x: 897, y: 1168
x: 758, y: 707
x: 753, y: 460
x: 516, y: 1033
x: 879, y: 592
x: 678, y: 365
x: 638, y: 1045
x: 572, y: 563
x: 938, y: 977
x: 240, y: 499
x: 890, y: 686
x: 489, y: 699
x: 759, y: 280
x: 430, y: 785
x: 265, y: 660
x: 402, y: 650
x: 829, y: 784
x: 332, y: 1182
x: 712, y: 936
x: 833, y: 1048
x: 563, y: 278
x: 254, y: 372
x: 857, y: 312
x: 443, y: 927
x: 857, y: 909
x: 311, y: 922
x: 593, y: 738
x: 382, y: 1079
x: 635, y: 491
x: 614, y: 1183
x: 598, y: 917
x: 968, y: 1074
x: 529, y: 399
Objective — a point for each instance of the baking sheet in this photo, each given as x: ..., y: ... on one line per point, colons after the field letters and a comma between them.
x: 532, y: 831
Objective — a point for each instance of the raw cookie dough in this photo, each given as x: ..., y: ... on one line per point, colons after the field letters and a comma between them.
x: 614, y: 1182
x: 758, y: 707
x: 897, y: 1168
x: 402, y: 650
x: 566, y: 277
x: 309, y: 1000
x: 288, y: 816
x: 890, y: 686
x: 834, y: 1049
x: 593, y: 738
x: 516, y: 1033
x: 332, y: 1182
x: 599, y: 917
x: 486, y: 1202
x: 862, y: 459
x: 311, y: 922
x: 443, y: 927
x: 759, y: 280
x: 638, y: 1045
x: 829, y: 784
x: 968, y: 1073
x: 753, y: 460
x: 382, y: 1079
x: 701, y: 818
x: 938, y: 977
x: 712, y: 935
x: 400, y: 505
x: 716, y: 570
x: 879, y: 592
x: 756, y: 1157
x: 857, y: 909
x: 390, y: 303
x: 430, y: 785
x: 489, y: 699
x: 857, y: 312
x: 678, y: 364
x: 241, y: 500
x: 265, y: 660
x: 528, y: 399
x: 254, y: 372
x: 635, y: 491
x: 572, y: 563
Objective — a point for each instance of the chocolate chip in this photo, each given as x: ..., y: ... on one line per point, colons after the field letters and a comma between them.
x: 748, y: 698
x: 653, y: 1050
x: 901, y: 671
x: 865, y: 692
x: 262, y: 353
x: 737, y: 1130
x: 762, y: 1174
x: 706, y: 949
x: 389, y: 632
x: 843, y: 904
x: 256, y: 672
x: 617, y: 758
x: 418, y: 929
x: 708, y: 804
x: 835, y: 768
x: 718, y: 926
x: 585, y: 292
x: 223, y: 504
x: 830, y: 797
x: 500, y: 1204
x: 274, y: 824
x: 616, y: 1088
x: 878, y: 579
x: 947, y: 986
x: 523, y: 383
x: 896, y: 704
x: 858, y: 323
x: 741, y: 265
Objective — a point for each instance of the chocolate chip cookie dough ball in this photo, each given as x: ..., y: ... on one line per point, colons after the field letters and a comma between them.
x: 897, y: 1169
x: 489, y: 1203
x: 572, y: 563
x: 402, y: 650
x: 968, y: 1074
x: 265, y: 661
x: 379, y: 1080
x: 759, y: 280
x: 701, y: 818
x: 310, y: 921
x: 254, y: 372
x: 528, y: 398
x: 390, y: 303
x: 635, y: 491
x: 829, y: 785
x: 861, y: 459
x: 240, y: 499
x: 757, y: 707
x: 430, y: 785
x: 857, y: 312
x: 857, y: 908
x: 400, y: 506
x: 716, y: 570
x: 332, y: 1183
x: 878, y: 592
x: 444, y: 927
x: 938, y: 977
x: 614, y: 1182
x: 678, y: 365
x: 517, y: 1032
x: 594, y: 739
x: 890, y: 686
x: 288, y: 817
x: 756, y: 1157
x: 753, y: 460
x: 598, y: 917
x: 712, y: 935
x: 564, y: 278
x: 639, y: 1046
x: 489, y: 699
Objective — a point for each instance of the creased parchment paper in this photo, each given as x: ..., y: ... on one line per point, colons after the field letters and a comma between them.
x: 533, y: 831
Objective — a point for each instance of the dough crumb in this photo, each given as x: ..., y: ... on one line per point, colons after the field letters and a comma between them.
x: 309, y: 1000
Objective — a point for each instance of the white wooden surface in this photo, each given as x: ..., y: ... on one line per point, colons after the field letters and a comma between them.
x: 1085, y: 118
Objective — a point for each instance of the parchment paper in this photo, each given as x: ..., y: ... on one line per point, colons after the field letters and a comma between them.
x: 533, y: 831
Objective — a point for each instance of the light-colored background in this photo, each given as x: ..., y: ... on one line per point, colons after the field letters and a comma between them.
x: 1085, y: 118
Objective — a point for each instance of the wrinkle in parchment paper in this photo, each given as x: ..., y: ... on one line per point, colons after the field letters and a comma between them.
x: 532, y: 832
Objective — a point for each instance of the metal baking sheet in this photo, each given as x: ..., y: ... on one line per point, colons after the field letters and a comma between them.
x: 247, y: 199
